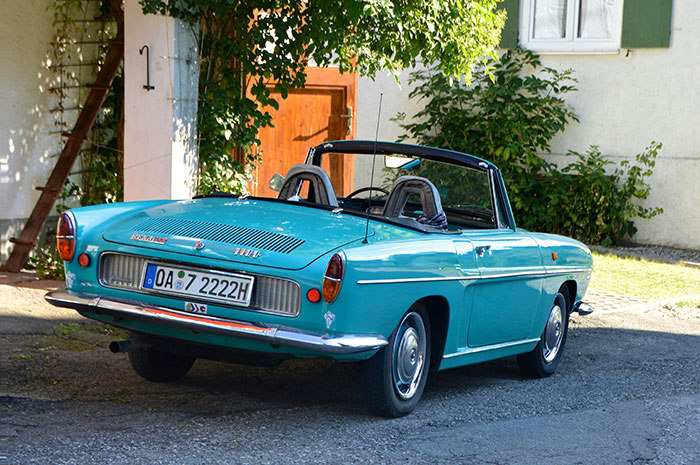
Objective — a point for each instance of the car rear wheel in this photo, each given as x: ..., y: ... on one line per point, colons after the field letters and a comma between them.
x: 542, y: 361
x: 156, y: 365
x: 396, y: 376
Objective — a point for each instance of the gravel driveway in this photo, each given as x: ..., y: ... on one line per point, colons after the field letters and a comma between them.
x: 627, y: 391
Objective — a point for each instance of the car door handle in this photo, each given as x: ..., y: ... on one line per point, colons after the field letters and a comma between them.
x: 482, y: 249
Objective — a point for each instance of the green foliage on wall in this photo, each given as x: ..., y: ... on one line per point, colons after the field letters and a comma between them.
x: 509, y: 116
x: 251, y: 50
x: 79, y: 39
x: 100, y: 175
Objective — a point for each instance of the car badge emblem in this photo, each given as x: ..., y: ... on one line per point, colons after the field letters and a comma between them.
x: 241, y: 252
x: 329, y: 319
x: 199, y: 245
x: 146, y: 238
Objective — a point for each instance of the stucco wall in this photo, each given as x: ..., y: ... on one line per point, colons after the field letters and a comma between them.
x: 625, y: 101
x: 394, y: 101
x: 159, y: 147
x: 26, y: 147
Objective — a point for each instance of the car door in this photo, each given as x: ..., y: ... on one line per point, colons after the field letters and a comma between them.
x: 507, y: 294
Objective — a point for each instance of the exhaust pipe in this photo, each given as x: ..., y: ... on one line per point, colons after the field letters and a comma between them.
x: 119, y: 346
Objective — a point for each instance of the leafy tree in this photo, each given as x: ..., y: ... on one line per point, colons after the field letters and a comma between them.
x: 251, y: 49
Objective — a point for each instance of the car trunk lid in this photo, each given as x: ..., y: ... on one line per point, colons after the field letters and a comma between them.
x: 276, y: 234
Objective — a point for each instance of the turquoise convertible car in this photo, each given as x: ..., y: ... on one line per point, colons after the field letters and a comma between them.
x: 421, y: 269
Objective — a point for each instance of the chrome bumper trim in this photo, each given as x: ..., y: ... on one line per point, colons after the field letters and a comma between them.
x: 275, y: 335
x: 582, y: 308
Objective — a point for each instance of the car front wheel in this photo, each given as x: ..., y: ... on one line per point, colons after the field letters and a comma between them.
x: 544, y: 358
x: 396, y: 375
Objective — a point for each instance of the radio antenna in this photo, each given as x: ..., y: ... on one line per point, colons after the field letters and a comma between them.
x: 374, y: 157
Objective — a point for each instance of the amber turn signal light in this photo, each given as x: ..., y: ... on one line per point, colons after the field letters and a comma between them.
x: 65, y: 237
x: 333, y: 278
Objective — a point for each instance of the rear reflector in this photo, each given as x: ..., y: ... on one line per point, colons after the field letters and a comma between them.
x: 314, y: 295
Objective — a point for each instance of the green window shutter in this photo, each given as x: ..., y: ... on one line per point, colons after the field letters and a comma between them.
x: 646, y: 23
x: 509, y: 36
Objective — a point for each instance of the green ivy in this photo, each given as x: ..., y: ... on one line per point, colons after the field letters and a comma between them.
x: 508, y: 115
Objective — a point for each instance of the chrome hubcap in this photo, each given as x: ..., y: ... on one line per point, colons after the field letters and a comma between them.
x: 409, y: 355
x: 553, y: 334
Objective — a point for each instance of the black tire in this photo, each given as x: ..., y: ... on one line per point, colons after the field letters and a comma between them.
x: 155, y: 365
x: 393, y: 389
x: 543, y: 360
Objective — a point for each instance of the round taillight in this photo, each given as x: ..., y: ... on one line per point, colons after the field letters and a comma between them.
x: 65, y: 237
x: 333, y: 278
x: 314, y: 295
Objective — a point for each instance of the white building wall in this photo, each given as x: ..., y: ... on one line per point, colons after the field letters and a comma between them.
x: 160, y: 159
x: 159, y: 124
x: 627, y: 100
x: 624, y: 101
x: 26, y: 148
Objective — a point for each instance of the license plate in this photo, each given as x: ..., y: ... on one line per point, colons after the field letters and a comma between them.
x: 224, y: 287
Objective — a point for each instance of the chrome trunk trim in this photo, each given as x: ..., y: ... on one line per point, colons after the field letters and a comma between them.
x: 275, y: 335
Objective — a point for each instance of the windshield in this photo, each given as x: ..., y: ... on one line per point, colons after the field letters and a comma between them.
x: 463, y: 194
x: 423, y: 193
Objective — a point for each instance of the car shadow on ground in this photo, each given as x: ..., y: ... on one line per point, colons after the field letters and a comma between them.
x: 72, y: 362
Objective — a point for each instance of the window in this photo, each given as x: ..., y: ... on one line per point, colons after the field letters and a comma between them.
x: 572, y: 26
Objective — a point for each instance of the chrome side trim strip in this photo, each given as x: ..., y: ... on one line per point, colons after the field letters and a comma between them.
x: 502, y: 345
x: 515, y: 274
x: 563, y: 270
x: 419, y: 280
x: 533, y: 273
x: 275, y: 335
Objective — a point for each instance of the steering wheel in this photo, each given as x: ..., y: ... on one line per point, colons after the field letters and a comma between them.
x: 366, y: 203
x: 365, y: 189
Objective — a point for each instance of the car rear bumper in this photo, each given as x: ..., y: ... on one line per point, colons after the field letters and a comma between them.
x: 275, y: 335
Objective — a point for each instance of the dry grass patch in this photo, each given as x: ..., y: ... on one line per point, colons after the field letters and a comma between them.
x: 645, y: 279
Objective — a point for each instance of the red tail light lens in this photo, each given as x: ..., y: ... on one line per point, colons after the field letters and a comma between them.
x: 65, y: 237
x: 333, y: 278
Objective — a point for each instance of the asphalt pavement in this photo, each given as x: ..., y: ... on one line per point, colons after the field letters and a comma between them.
x: 627, y: 391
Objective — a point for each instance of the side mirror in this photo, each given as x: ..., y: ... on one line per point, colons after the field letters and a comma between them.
x: 403, y: 162
x: 276, y: 182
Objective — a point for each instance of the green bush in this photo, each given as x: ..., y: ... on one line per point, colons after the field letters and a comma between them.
x: 47, y: 263
x: 583, y: 200
x: 508, y: 116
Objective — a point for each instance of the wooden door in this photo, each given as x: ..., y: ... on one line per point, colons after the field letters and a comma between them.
x: 308, y: 117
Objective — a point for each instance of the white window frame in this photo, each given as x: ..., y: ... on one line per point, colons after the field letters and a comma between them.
x: 569, y: 44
